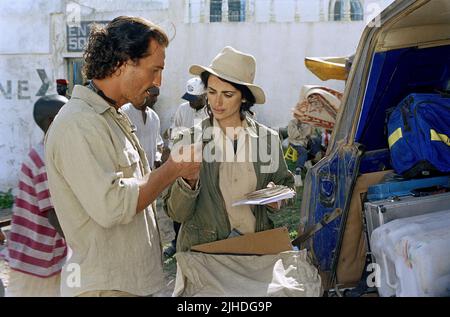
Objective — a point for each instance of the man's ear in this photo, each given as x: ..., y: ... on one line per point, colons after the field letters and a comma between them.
x: 120, y: 69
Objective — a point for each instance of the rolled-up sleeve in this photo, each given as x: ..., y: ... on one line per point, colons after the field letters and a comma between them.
x: 180, y: 200
x: 88, y: 161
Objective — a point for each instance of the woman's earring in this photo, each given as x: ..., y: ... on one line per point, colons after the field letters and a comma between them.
x: 244, y: 100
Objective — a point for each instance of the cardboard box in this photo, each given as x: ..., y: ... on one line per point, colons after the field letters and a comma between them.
x: 259, y: 243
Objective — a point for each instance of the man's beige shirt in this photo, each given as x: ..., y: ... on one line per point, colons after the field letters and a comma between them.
x: 94, y: 162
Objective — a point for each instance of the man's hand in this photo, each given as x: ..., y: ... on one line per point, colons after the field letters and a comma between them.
x: 184, y: 162
x: 188, y: 159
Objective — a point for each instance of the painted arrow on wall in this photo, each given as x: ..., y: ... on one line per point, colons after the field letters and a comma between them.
x: 45, y: 82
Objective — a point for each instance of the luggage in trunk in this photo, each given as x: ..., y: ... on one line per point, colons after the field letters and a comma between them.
x: 380, y: 212
x: 402, y: 187
x: 419, y: 129
x: 413, y: 255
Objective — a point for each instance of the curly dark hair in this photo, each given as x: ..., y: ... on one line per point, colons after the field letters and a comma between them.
x: 246, y: 94
x: 124, y: 38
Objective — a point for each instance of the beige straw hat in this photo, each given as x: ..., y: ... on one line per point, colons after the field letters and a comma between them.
x: 236, y: 67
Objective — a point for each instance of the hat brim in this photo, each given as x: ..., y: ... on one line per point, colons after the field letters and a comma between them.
x: 257, y: 91
x: 190, y: 97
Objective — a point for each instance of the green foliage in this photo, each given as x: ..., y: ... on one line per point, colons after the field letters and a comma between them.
x: 289, y: 216
x: 293, y: 234
x: 6, y: 199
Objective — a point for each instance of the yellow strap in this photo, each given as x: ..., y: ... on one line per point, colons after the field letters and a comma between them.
x: 395, y: 136
x: 439, y: 137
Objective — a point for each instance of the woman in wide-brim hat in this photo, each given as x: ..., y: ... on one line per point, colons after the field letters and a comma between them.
x: 244, y: 156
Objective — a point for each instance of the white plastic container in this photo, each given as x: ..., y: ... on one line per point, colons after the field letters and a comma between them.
x: 414, y: 255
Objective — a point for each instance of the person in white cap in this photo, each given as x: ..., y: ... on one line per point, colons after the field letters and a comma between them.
x: 187, y: 115
x: 240, y: 156
x: 193, y: 110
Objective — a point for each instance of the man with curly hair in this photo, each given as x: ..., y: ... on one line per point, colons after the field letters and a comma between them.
x: 99, y: 177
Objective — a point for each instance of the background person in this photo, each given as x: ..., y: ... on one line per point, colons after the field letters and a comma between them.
x: 62, y: 86
x: 148, y: 127
x: 36, y: 251
x: 188, y: 113
x: 193, y: 110
x: 301, y: 138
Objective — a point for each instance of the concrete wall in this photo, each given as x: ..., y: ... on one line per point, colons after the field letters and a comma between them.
x: 279, y: 49
x: 33, y: 49
x: 25, y: 56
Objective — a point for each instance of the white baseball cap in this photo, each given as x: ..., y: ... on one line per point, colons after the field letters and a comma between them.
x: 194, y: 88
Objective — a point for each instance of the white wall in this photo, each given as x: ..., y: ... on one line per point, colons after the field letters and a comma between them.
x: 279, y: 49
x: 25, y: 46
x: 34, y: 38
x: 17, y: 128
x: 25, y: 26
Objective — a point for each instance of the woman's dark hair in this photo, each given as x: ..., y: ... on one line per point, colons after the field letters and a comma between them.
x: 124, y: 38
x: 246, y: 94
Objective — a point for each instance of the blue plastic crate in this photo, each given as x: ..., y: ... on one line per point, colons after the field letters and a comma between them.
x: 404, y: 187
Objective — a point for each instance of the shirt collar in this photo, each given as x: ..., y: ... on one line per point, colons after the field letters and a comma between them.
x: 248, y: 127
x: 93, y: 100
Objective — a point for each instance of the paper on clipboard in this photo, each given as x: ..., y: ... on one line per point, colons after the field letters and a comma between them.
x: 266, y: 196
